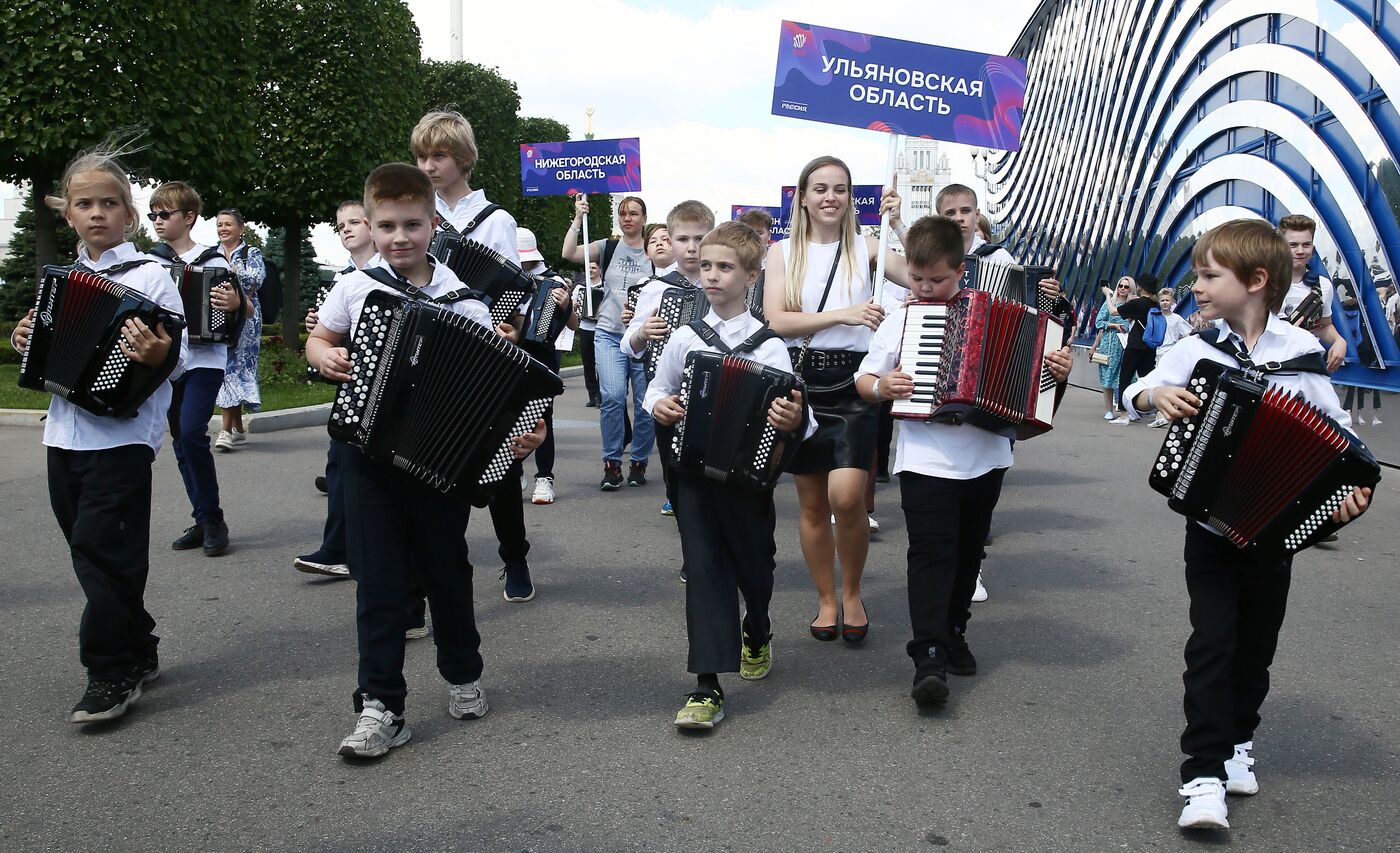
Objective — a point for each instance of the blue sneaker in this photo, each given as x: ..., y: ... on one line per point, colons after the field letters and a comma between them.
x: 666, y: 509
x: 518, y: 586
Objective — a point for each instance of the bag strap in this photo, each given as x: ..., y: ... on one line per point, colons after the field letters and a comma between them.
x: 821, y: 306
x: 1313, y: 362
x: 609, y: 249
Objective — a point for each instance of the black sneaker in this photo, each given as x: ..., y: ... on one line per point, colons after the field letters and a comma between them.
x: 106, y: 699
x: 518, y: 586
x: 321, y: 485
x: 215, y: 538
x: 637, y: 474
x: 930, y: 680
x: 192, y: 538
x: 960, y: 659
x: 592, y: 403
x: 612, y: 477
x: 147, y: 670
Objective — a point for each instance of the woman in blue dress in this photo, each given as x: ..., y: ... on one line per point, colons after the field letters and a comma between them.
x: 240, y: 389
x: 1108, y: 344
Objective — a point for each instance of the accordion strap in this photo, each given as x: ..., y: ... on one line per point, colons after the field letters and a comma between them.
x: 472, y: 223
x: 749, y: 344
x: 986, y: 250
x: 1313, y: 362
x: 413, y: 291
x: 114, y: 268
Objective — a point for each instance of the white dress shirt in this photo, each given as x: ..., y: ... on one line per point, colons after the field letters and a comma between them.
x: 1279, y: 342
x: 931, y: 448
x: 1000, y: 256
x: 734, y: 331
x: 648, y: 300
x: 211, y: 356
x: 496, y: 231
x: 340, y: 312
x: 71, y: 428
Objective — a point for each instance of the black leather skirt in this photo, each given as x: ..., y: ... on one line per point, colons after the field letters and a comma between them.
x: 847, y: 426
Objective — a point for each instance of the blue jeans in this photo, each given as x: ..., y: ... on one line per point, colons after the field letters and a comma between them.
x: 615, y: 368
x: 191, y: 406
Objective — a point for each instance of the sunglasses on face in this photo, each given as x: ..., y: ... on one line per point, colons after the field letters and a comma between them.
x: 163, y: 215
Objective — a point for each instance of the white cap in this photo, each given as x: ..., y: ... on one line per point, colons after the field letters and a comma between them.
x: 527, y: 246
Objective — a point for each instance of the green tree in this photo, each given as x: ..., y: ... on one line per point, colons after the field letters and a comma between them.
x: 490, y: 102
x: 308, y: 270
x: 338, y: 93
x: 71, y: 73
x: 17, y: 269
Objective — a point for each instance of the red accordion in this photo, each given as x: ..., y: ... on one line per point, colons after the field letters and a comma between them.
x: 980, y: 359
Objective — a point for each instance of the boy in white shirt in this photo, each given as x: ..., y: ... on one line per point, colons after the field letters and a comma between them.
x: 1298, y: 231
x: 1177, y: 328
x: 949, y: 475
x: 1238, y: 597
x: 726, y: 532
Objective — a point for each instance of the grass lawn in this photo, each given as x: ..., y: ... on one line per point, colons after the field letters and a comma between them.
x: 280, y: 388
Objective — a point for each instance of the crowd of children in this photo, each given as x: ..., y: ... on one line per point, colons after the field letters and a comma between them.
x: 403, y: 542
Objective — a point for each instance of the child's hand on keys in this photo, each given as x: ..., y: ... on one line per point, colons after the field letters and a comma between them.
x: 668, y: 410
x: 1355, y: 504
x: 786, y: 414
x: 144, y: 345
x: 895, y: 386
x: 1175, y: 402
x: 335, y: 364
x: 523, y: 445
x: 20, y: 339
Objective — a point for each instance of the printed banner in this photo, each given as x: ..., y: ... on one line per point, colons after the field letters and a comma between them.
x: 590, y: 166
x: 896, y: 86
x: 737, y: 210
x: 865, y: 197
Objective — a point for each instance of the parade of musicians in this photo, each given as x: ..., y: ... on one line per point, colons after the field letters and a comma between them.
x: 962, y: 442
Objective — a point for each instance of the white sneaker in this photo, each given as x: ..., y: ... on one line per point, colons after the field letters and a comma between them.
x: 224, y: 441
x: 1375, y: 421
x: 874, y: 525
x: 980, y: 593
x: 467, y: 701
x: 1108, y: 416
x: 1119, y: 421
x: 239, y: 435
x: 417, y: 632
x: 376, y: 732
x: 1360, y: 420
x: 1239, y: 771
x: 1205, y: 804
x: 1159, y: 421
x: 311, y: 567
x: 544, y: 491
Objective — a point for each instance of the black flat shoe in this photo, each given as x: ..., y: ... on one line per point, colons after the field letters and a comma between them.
x: 825, y: 633
x: 856, y: 633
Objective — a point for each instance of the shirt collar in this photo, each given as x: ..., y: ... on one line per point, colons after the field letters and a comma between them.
x: 976, y: 242
x: 464, y: 203
x: 117, y: 254
x: 1272, y: 326
x: 441, y: 274
x: 736, y: 325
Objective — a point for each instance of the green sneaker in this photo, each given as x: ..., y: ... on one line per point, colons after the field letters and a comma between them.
x: 702, y: 710
x: 755, y: 663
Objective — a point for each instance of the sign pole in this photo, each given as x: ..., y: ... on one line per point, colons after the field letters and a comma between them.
x: 587, y: 271
x: 878, y: 284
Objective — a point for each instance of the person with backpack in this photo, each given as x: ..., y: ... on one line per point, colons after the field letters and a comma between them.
x: 1139, y: 355
x: 623, y: 263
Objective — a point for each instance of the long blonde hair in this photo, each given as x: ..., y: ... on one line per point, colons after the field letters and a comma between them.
x: 102, y: 158
x: 801, y: 226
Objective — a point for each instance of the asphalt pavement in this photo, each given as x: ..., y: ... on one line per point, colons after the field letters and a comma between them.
x: 1065, y: 740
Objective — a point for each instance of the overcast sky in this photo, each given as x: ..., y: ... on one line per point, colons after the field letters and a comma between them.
x: 694, y: 80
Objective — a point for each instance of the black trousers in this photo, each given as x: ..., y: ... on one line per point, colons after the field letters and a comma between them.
x: 590, y: 368
x: 1136, y: 363
x: 886, y: 437
x: 664, y: 436
x: 947, y: 522
x: 333, y: 534
x: 102, y: 502
x: 727, y: 540
x: 1237, y: 607
x: 544, y: 455
x: 398, y: 529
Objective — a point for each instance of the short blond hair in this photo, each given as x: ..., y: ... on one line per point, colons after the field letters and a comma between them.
x: 1245, y: 246
x: 102, y: 159
x: 745, y: 242
x: 177, y: 195
x: 449, y: 131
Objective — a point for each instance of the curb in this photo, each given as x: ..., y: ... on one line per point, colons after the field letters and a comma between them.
x: 304, y: 416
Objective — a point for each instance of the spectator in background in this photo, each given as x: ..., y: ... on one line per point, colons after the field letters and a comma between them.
x: 240, y: 388
x: 984, y: 227
x: 1138, y: 357
x: 1177, y: 328
x: 1108, y: 346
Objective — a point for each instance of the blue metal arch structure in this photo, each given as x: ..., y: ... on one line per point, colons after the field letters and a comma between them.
x: 1148, y: 123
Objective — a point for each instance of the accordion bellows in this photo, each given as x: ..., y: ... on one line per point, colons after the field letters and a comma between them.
x: 502, y: 283
x: 207, y: 323
x: 1264, y: 468
x: 725, y: 434
x: 979, y: 359
x: 1018, y: 282
x: 74, y: 350
x: 437, y: 395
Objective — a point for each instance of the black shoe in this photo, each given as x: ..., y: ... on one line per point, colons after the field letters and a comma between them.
x: 518, y: 587
x: 960, y: 659
x: 684, y: 577
x: 592, y: 403
x: 215, y: 538
x: 612, y: 477
x: 930, y: 681
x: 882, y: 477
x: 192, y: 538
x: 637, y: 474
x: 106, y: 699
x: 321, y: 485
x: 855, y: 633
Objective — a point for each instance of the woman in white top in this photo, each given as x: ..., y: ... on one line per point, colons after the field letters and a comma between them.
x: 817, y: 295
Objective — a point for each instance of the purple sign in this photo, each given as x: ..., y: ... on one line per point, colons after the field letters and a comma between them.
x: 865, y: 197
x: 590, y: 166
x: 896, y: 86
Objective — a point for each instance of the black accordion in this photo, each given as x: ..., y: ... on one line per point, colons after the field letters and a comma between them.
x: 503, y: 285
x: 1017, y: 282
x: 1307, y: 314
x: 74, y: 350
x: 312, y: 374
x: 1262, y: 467
x: 725, y: 434
x: 438, y: 396
x: 205, y: 323
x: 678, y: 306
x: 546, y: 318
x: 753, y: 299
